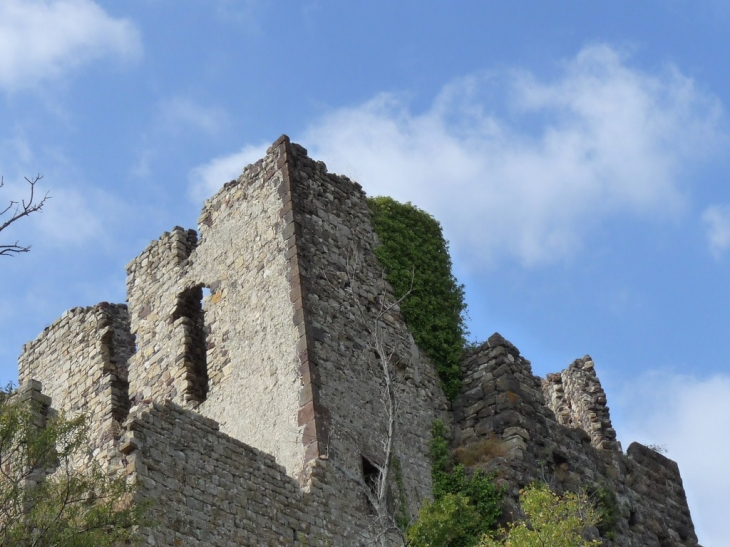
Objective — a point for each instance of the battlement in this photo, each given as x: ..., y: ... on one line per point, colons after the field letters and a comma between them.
x: 241, y: 387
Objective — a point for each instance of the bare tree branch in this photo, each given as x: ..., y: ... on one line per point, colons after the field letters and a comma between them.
x: 373, y: 322
x: 18, y: 210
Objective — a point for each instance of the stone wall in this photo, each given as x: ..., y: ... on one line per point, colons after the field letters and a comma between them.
x: 344, y: 297
x: 81, y: 362
x: 503, y: 415
x: 286, y: 251
x: 249, y: 354
x: 212, y: 490
x: 576, y: 397
x: 232, y: 355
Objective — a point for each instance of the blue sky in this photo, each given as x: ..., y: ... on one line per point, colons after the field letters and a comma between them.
x: 576, y: 154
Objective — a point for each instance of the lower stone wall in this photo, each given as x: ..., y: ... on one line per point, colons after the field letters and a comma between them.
x: 210, y: 489
x: 655, y: 477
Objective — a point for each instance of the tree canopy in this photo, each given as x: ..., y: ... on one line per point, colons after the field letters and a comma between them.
x: 45, y: 501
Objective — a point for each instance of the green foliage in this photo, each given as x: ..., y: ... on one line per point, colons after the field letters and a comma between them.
x: 402, y: 516
x: 551, y: 520
x: 472, y: 501
x: 441, y: 462
x: 416, y: 258
x: 608, y: 510
x: 44, y: 501
x: 451, y: 521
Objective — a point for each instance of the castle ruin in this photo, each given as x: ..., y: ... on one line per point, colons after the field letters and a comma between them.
x: 240, y: 390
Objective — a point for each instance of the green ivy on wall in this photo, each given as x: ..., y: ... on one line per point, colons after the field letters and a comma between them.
x: 413, y: 251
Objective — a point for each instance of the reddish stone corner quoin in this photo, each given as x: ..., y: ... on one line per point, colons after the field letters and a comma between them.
x: 239, y: 390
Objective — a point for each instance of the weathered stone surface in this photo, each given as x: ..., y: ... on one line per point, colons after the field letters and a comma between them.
x: 242, y: 388
x: 561, y: 433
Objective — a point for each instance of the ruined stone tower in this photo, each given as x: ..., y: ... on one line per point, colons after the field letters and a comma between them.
x: 241, y: 390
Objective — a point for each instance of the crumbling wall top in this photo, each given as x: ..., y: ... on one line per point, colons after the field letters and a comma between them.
x: 576, y: 397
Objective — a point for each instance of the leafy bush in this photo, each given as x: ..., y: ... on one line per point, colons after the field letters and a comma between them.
x: 550, y: 520
x: 451, y: 521
x: 416, y: 258
x: 471, y: 501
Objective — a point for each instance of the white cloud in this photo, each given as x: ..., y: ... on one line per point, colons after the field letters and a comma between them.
x: 717, y: 220
x: 561, y: 156
x: 208, y: 178
x: 691, y: 418
x: 42, y: 39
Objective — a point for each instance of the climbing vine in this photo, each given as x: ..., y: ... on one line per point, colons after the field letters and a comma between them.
x: 416, y: 258
x: 402, y: 515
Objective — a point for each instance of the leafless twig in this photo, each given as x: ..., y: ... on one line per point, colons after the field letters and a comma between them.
x: 18, y: 210
x: 372, y: 322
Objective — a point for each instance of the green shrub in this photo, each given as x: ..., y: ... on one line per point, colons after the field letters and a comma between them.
x: 451, y: 521
x: 415, y: 257
x: 551, y: 520
x: 68, y: 508
x: 477, y: 490
x: 608, y: 509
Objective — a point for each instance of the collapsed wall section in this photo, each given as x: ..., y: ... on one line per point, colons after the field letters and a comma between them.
x: 502, y: 421
x: 655, y: 477
x: 212, y: 490
x: 345, y: 297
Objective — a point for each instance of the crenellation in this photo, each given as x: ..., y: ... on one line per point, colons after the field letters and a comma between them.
x: 242, y: 388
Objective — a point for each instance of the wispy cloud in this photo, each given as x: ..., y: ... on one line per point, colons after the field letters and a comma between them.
x: 247, y: 14
x: 691, y: 418
x: 43, y: 39
x: 185, y: 111
x: 175, y: 117
x: 531, y: 178
x: 717, y: 221
x: 208, y: 178
x: 76, y: 213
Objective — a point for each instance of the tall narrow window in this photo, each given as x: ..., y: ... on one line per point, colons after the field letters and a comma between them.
x: 120, y: 402
x: 188, y: 316
x: 371, y: 476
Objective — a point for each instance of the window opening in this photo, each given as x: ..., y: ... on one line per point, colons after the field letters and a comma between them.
x: 189, y: 313
x: 119, y: 383
x: 371, y: 476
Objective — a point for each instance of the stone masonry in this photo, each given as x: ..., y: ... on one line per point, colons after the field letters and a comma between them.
x: 241, y: 387
x: 576, y: 397
x: 559, y: 431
